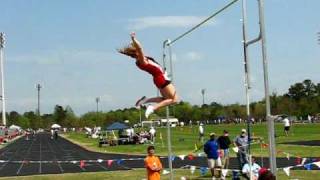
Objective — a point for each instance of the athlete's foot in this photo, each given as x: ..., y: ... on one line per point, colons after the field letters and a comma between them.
x: 141, y: 101
x: 149, y: 111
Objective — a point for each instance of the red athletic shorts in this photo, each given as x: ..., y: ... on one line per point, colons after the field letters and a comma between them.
x: 160, y: 81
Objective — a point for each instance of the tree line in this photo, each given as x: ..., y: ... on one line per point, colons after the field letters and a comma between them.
x: 301, y: 100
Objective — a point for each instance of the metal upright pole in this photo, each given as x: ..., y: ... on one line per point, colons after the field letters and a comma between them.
x: 246, y: 68
x: 167, y: 43
x: 203, y: 91
x: 4, y: 121
x: 247, y: 79
x: 97, y: 101
x: 38, y: 89
x: 272, y: 148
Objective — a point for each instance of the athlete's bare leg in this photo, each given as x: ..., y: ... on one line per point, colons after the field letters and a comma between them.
x: 169, y: 97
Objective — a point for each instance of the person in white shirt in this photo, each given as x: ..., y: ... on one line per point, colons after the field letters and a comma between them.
x: 152, y: 132
x: 254, y: 170
x: 286, y: 123
x: 201, y: 132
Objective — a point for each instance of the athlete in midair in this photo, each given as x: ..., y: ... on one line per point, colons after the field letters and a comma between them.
x: 160, y: 79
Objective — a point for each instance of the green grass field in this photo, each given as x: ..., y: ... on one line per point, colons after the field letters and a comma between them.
x: 139, y: 174
x: 184, y: 140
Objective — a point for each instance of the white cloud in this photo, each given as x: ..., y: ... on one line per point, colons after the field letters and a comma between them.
x: 60, y: 57
x: 193, y: 56
x: 165, y: 22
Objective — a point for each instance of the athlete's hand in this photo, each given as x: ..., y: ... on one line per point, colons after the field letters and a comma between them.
x: 132, y: 35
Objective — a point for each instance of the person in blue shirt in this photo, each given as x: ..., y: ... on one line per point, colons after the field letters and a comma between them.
x: 211, y: 148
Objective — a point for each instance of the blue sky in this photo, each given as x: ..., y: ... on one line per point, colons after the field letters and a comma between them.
x: 69, y: 48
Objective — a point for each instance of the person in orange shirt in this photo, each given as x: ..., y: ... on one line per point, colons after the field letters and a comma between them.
x: 153, y: 165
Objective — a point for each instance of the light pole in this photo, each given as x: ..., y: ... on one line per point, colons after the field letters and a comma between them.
x: 4, y: 121
x: 38, y: 86
x: 203, y: 91
x: 97, y: 101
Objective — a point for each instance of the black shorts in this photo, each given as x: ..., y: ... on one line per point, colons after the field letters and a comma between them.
x: 287, y: 128
x: 165, y: 84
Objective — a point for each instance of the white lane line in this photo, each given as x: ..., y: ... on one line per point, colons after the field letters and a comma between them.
x: 28, y: 152
x: 55, y: 156
x: 12, y: 156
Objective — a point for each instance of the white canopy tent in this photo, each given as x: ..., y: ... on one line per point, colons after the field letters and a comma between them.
x: 55, y: 126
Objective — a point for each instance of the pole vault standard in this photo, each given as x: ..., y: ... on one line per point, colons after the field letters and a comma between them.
x: 4, y: 122
x: 261, y: 37
x: 169, y: 43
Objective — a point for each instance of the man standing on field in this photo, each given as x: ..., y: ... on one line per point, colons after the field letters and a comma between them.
x: 153, y: 165
x: 286, y: 123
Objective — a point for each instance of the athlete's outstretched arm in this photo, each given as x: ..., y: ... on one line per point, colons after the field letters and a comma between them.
x: 137, y: 45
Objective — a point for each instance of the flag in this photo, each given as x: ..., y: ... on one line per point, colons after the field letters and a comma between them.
x: 164, y: 172
x: 317, y: 163
x: 109, y: 162
x: 224, y: 172
x: 203, y: 170
x: 172, y: 158
x: 182, y: 157
x: 82, y: 164
x: 119, y: 161
x: 307, y: 166
x: 287, y: 171
x: 192, y: 169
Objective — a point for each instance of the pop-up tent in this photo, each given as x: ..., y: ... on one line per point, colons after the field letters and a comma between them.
x: 116, y: 126
x: 55, y: 126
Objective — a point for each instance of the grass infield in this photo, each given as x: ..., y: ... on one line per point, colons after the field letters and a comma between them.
x: 184, y: 140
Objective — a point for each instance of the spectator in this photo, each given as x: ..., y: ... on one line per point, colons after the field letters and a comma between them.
x: 153, y: 165
x: 309, y: 119
x: 55, y: 134
x: 286, y: 125
x: 224, y: 143
x: 211, y: 148
x: 152, y: 134
x: 254, y: 170
x: 241, y: 142
x: 52, y: 133
x: 201, y: 132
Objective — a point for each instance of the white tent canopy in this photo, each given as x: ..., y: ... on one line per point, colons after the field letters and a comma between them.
x: 15, y: 127
x: 88, y: 129
x: 55, y: 126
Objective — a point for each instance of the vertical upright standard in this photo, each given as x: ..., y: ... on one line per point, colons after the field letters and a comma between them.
x: 4, y: 121
x: 167, y: 43
x: 203, y: 91
x: 270, y: 120
x: 97, y: 101
x: 272, y: 142
x: 38, y: 89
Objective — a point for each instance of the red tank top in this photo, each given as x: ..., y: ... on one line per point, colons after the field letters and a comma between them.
x: 152, y: 67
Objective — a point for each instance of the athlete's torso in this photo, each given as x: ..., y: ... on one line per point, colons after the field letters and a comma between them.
x: 152, y: 67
